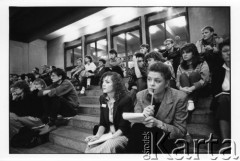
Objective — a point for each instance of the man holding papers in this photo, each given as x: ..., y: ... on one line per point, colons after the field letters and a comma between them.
x: 113, y: 130
x: 165, y: 110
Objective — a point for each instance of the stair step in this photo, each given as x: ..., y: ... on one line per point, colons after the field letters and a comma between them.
x: 91, y: 109
x: 84, y: 121
x: 70, y: 137
x: 93, y: 92
x: 200, y: 131
x: 89, y: 100
x: 47, y: 148
x: 201, y: 116
x: 203, y: 102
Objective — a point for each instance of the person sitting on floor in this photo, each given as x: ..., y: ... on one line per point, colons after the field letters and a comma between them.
x: 221, y: 104
x: 165, y: 110
x: 76, y: 72
x: 101, y: 69
x: 90, y: 67
x: 144, y: 48
x: 137, y: 75
x: 25, y: 108
x: 193, y: 73
x: 208, y: 46
x: 115, y: 62
x: 113, y: 103
x: 172, y: 54
x: 60, y: 98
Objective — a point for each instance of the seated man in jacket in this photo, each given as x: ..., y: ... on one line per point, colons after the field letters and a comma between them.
x: 101, y: 69
x: 61, y: 98
x: 137, y: 75
x: 115, y: 62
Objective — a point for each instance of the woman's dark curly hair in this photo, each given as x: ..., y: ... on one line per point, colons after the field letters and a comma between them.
x: 23, y: 85
x: 118, y: 84
x: 190, y: 47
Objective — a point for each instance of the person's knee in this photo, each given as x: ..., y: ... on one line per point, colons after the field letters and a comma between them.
x: 184, y: 80
x: 194, y: 77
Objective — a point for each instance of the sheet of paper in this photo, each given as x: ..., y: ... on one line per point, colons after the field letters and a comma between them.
x: 103, y: 138
x: 134, y: 117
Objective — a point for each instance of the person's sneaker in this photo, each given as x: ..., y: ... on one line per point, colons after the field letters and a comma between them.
x: 190, y: 106
x: 46, y: 129
x: 82, y: 91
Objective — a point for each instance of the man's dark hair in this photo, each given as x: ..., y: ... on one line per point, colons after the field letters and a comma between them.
x: 139, y: 55
x: 89, y: 57
x: 22, y: 76
x: 23, y: 85
x: 113, y: 51
x: 59, y: 72
x: 224, y: 43
x: 103, y: 61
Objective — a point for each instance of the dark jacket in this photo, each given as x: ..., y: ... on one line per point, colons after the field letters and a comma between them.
x: 65, y: 90
x: 172, y: 111
x: 124, y: 104
x: 217, y: 80
x: 99, y: 72
x: 174, y: 56
x: 30, y: 105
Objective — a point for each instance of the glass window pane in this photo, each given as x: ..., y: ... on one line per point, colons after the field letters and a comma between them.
x: 157, y: 35
x: 101, y: 50
x: 77, y: 54
x: 69, y: 58
x: 177, y: 27
x: 133, y: 45
x: 119, y: 45
x: 91, y: 49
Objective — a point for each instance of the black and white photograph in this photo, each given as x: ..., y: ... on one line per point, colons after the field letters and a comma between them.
x: 142, y: 81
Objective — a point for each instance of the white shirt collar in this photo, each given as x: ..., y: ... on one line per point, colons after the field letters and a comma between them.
x: 226, y: 67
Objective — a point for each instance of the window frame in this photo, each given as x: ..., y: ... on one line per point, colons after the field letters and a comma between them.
x: 95, y: 41
x: 71, y: 47
x: 163, y: 20
x: 125, y: 31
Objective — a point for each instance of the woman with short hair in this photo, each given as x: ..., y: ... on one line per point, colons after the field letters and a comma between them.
x: 164, y: 109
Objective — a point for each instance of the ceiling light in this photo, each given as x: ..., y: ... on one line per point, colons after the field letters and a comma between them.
x: 179, y: 21
x: 102, y: 42
x: 153, y: 29
x: 122, y: 36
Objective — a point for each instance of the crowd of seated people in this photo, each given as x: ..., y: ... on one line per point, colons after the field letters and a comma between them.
x: 163, y: 85
x: 37, y: 104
